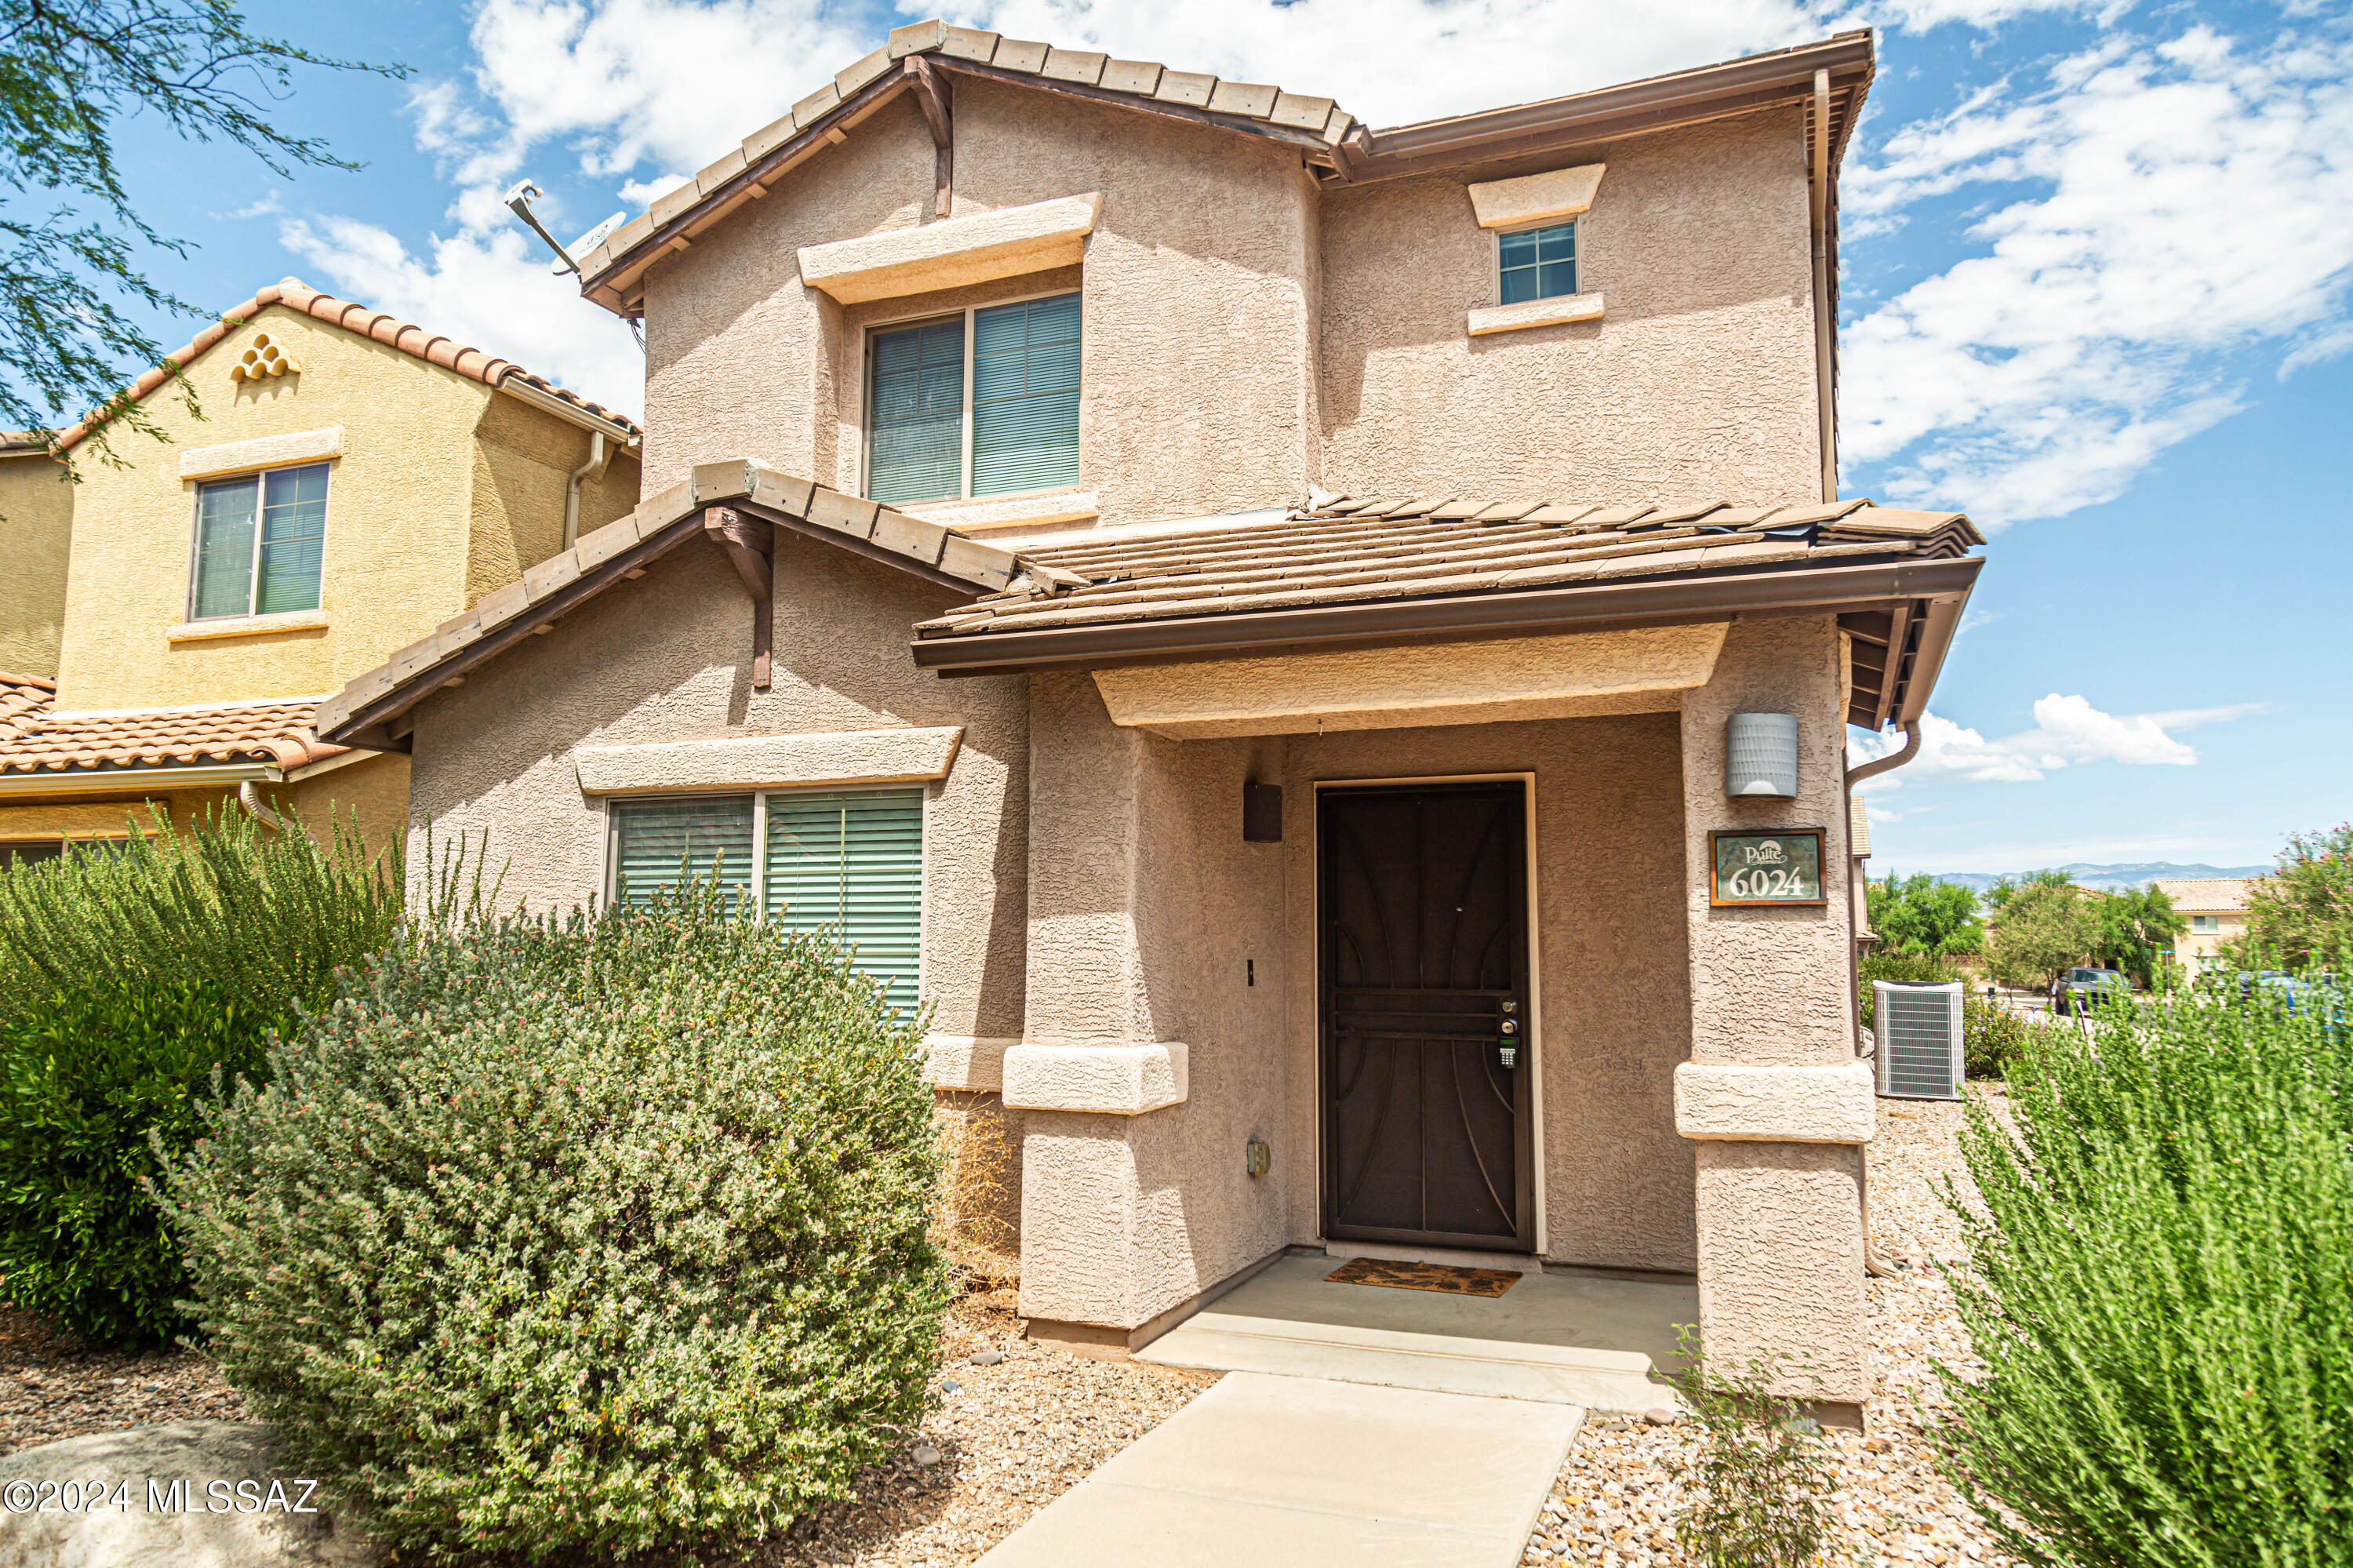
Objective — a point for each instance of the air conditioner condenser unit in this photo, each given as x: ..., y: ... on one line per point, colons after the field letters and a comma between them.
x: 1917, y: 1035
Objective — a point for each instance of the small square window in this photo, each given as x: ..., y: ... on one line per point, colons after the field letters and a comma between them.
x: 1537, y: 263
x: 259, y: 543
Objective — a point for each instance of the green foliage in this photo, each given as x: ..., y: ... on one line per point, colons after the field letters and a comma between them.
x: 1908, y: 967
x: 2301, y: 916
x: 2135, y: 926
x: 69, y: 68
x: 1923, y: 917
x: 126, y: 981
x: 2161, y: 1287
x: 2044, y: 925
x: 580, y: 1239
x: 1757, y: 1495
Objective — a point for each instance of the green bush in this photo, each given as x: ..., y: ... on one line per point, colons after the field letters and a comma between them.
x: 126, y: 981
x: 2161, y: 1287
x: 586, y: 1238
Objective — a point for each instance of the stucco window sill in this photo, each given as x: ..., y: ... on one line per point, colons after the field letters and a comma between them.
x: 248, y: 626
x: 1068, y: 505
x: 1491, y: 319
x: 954, y: 252
x: 1114, y: 1080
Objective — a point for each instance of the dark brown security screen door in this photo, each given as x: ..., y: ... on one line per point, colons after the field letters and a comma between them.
x: 1427, y: 1069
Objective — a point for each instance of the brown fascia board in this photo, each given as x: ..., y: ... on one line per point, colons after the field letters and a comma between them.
x: 1664, y: 601
x: 1657, y: 103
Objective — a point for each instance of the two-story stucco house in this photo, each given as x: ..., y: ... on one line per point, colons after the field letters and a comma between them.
x: 353, y: 481
x: 1241, y: 615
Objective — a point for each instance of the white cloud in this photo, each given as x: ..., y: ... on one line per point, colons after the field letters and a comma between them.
x: 493, y: 291
x: 2068, y: 731
x: 641, y: 193
x: 2191, y: 200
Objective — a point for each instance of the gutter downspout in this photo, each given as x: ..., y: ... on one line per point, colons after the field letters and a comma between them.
x: 1824, y: 328
x: 1875, y: 1262
x: 599, y: 455
x: 250, y: 798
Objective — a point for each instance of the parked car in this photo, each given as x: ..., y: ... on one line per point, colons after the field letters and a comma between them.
x: 2077, y: 991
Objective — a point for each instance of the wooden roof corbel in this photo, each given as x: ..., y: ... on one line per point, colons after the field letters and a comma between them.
x: 937, y: 99
x: 751, y: 542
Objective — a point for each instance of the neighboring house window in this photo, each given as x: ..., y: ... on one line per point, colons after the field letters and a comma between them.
x: 2205, y: 922
x: 1537, y: 263
x: 849, y: 861
x: 29, y: 854
x: 258, y: 543
x: 985, y: 403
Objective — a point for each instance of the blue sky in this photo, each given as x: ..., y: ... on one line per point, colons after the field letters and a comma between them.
x: 2097, y: 267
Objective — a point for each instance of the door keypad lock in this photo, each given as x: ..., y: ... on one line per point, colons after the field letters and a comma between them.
x: 1507, y: 1049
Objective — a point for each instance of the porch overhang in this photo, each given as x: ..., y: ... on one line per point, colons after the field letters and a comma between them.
x: 1909, y: 606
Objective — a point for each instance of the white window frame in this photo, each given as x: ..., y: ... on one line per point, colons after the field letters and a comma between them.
x: 253, y: 562
x: 1496, y: 257
x: 609, y: 878
x: 963, y: 467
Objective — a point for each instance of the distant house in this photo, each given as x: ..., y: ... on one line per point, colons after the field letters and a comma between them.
x: 2216, y: 908
x: 355, y: 483
x: 1241, y: 616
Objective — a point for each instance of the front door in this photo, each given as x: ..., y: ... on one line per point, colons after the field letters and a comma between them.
x: 1428, y: 1104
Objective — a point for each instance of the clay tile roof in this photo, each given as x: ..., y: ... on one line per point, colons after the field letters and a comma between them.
x: 1343, y: 551
x: 390, y: 330
x: 34, y: 739
x: 2206, y: 895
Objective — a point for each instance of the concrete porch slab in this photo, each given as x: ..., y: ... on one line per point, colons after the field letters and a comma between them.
x: 1303, y: 1471
x: 1554, y: 1338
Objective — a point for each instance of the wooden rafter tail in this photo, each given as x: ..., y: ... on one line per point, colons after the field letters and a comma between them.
x: 751, y: 542
x: 937, y: 98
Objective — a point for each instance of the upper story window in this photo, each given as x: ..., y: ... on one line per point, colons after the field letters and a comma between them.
x: 1536, y: 263
x: 846, y: 862
x: 2206, y: 922
x: 984, y: 403
x: 259, y: 543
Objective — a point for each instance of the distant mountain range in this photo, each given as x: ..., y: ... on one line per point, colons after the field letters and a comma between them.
x: 2110, y: 878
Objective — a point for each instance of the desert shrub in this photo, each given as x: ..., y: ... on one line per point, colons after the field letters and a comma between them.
x: 1757, y: 1494
x: 580, y: 1239
x: 978, y: 1221
x: 2161, y: 1288
x: 126, y: 981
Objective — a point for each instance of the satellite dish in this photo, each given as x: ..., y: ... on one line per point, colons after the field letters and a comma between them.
x: 589, y: 241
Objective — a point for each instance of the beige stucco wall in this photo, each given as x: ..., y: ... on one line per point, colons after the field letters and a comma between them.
x: 443, y: 490
x: 1781, y: 1224
x: 1196, y: 376
x: 668, y: 658
x: 35, y: 538
x: 1699, y: 381
x: 1146, y: 911
x: 1612, y: 1019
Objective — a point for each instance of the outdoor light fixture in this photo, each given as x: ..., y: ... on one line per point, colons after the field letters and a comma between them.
x: 1760, y: 756
x: 1261, y: 813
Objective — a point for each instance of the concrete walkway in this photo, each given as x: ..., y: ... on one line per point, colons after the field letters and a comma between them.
x: 1306, y: 1472
x: 1602, y: 1344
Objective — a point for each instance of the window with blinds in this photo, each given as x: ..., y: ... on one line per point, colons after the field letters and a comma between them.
x: 915, y: 434
x: 846, y: 862
x: 261, y: 543
x: 1025, y: 396
x: 985, y: 403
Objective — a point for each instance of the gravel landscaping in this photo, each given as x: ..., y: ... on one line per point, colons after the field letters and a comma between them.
x: 1009, y: 1434
x: 1615, y: 1504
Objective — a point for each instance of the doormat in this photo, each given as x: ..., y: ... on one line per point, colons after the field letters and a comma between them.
x: 1438, y: 1276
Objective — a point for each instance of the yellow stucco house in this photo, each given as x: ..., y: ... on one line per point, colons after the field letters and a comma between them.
x: 2216, y: 909
x: 353, y: 482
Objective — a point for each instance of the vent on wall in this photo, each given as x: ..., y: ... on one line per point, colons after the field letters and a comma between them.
x: 1918, y: 1031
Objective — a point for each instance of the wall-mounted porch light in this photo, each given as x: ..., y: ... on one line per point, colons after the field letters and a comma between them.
x: 1261, y: 813
x: 1760, y: 756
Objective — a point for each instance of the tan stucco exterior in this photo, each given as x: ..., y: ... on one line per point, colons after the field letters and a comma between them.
x: 1100, y: 944
x: 37, y: 523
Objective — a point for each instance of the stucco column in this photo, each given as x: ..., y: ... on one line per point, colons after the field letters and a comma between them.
x: 1773, y: 1097
x: 1147, y: 1043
